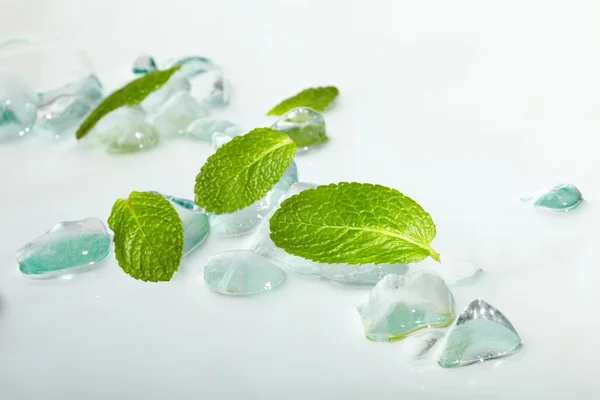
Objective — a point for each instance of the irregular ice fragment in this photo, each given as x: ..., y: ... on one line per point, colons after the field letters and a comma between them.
x: 206, y: 128
x: 559, y: 198
x: 305, y: 126
x: 144, y: 64
x: 193, y: 66
x: 177, y: 114
x: 155, y: 101
x: 60, y: 111
x: 195, y: 221
x: 400, y: 305
x: 17, y: 107
x: 68, y: 245
x: 480, y: 333
x: 241, y: 272
x: 125, y: 130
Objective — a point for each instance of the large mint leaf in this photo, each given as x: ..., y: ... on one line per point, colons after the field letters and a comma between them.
x: 148, y: 236
x: 129, y: 95
x: 354, y: 223
x: 243, y: 170
x: 316, y: 98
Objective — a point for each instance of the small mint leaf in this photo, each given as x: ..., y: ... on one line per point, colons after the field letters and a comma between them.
x: 148, y: 236
x: 316, y: 98
x: 243, y: 170
x: 129, y: 95
x: 354, y: 223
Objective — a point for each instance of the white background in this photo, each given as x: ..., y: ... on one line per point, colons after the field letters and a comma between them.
x: 463, y: 106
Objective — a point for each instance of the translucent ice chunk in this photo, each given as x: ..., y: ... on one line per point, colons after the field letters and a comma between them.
x: 155, y: 100
x: 125, y: 130
x: 481, y: 333
x: 305, y: 125
x: 193, y: 66
x: 177, y: 114
x: 144, y: 64
x: 205, y: 128
x: 400, y: 305
x: 219, y: 139
x: 455, y: 271
x: 17, y: 107
x: 68, y: 245
x: 560, y: 198
x: 248, y: 219
x: 241, y: 272
x: 211, y: 88
x: 60, y: 111
x: 88, y: 87
x: 185, y: 203
x: 195, y: 227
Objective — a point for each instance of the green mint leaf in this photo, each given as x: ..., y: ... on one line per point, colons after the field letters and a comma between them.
x: 148, y: 236
x: 316, y: 98
x: 129, y: 95
x: 243, y: 170
x: 354, y: 223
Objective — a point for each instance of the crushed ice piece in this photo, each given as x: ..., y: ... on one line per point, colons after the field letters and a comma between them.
x: 177, y: 114
x: 61, y: 111
x: 125, y: 130
x: 67, y: 246
x: 241, y: 272
x: 559, y: 198
x: 304, y: 125
x: 480, y: 333
x: 206, y: 128
x: 400, y: 305
x: 17, y: 107
x: 144, y: 64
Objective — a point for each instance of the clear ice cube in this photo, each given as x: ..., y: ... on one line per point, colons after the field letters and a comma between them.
x: 17, y: 107
x: 144, y: 64
x: 196, y: 225
x: 211, y: 88
x: 248, y: 219
x: 206, y: 128
x: 177, y: 114
x: 60, y: 111
x: 454, y: 271
x: 125, y: 130
x: 185, y: 203
x: 400, y: 305
x: 157, y: 99
x: 67, y: 246
x: 559, y: 198
x: 241, y: 272
x: 305, y: 125
x: 193, y: 66
x: 480, y: 333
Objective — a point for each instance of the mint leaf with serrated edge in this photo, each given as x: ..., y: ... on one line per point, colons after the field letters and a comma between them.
x: 148, y: 236
x: 129, y: 95
x: 318, y: 98
x: 243, y: 170
x: 354, y: 223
